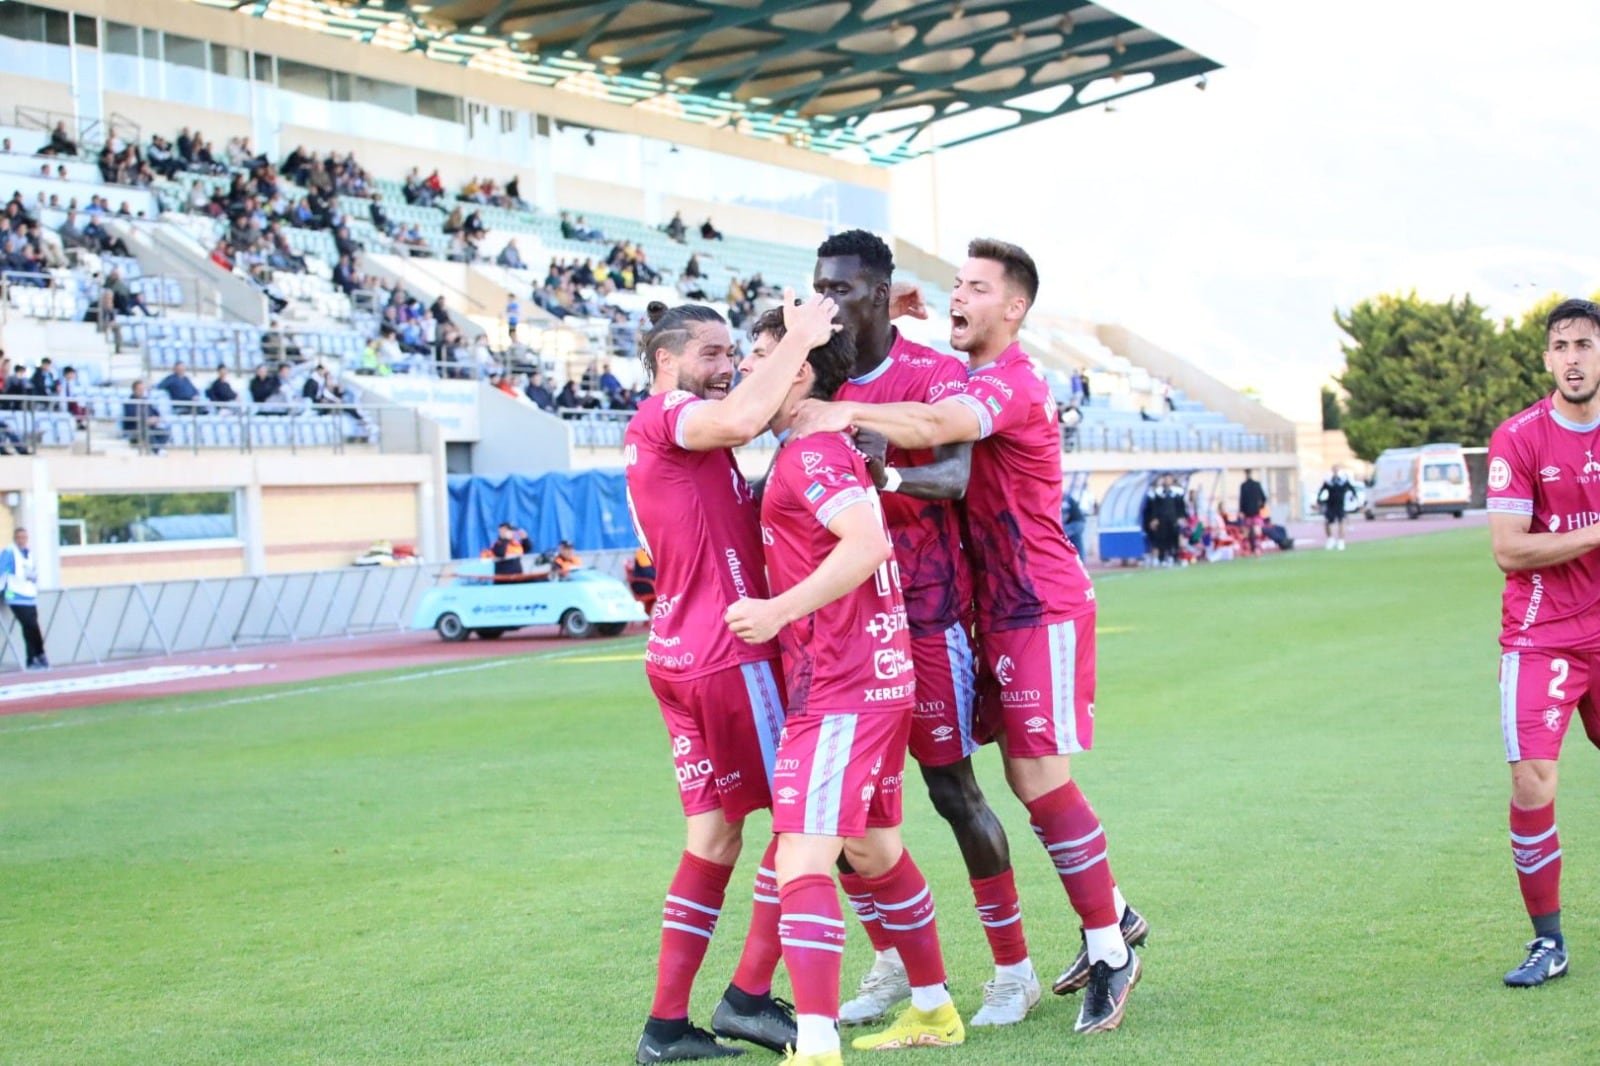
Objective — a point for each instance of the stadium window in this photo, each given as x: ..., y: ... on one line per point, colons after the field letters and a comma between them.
x: 152, y: 44
x: 439, y: 105
x: 24, y: 22
x: 121, y: 39
x: 103, y: 518
x: 262, y: 65
x: 185, y: 51
x: 305, y: 79
x: 229, y: 62
x: 85, y: 31
x: 385, y: 94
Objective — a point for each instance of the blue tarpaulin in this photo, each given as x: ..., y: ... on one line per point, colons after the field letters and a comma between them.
x: 589, y: 508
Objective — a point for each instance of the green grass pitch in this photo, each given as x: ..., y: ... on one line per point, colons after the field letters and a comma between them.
x: 1299, y: 769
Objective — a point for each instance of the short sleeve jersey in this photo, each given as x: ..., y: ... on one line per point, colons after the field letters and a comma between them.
x: 697, y: 517
x: 854, y: 654
x: 926, y: 533
x: 1026, y: 571
x: 1543, y: 467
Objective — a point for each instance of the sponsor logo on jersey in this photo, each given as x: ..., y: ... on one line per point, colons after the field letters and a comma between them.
x: 728, y: 780
x: 690, y: 772
x: 1024, y: 695
x: 1532, y: 613
x: 1551, y: 473
x: 681, y: 745
x: 930, y: 708
x: 815, y: 492
x: 885, y: 624
x: 676, y: 398
x: 1591, y: 467
x: 665, y: 606
x: 1552, y: 719
x: 890, y: 663
x: 768, y: 538
x: 1581, y: 520
x: 1037, y: 724
x: 786, y: 766
x: 1499, y: 474
x: 887, y: 695
x: 866, y: 793
x: 1005, y: 670
x: 736, y: 571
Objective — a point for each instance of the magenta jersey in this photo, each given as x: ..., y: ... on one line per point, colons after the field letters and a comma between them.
x: 697, y: 517
x: 1026, y: 571
x: 1543, y: 467
x: 854, y: 654
x: 927, y: 533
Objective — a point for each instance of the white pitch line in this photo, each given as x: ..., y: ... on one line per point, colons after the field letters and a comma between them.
x: 268, y: 697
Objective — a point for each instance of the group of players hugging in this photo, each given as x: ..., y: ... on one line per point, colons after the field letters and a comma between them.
x: 899, y: 580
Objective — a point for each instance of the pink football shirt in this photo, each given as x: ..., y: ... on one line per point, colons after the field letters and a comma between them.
x: 926, y: 533
x: 854, y: 654
x: 1543, y: 466
x: 696, y: 516
x: 1026, y: 571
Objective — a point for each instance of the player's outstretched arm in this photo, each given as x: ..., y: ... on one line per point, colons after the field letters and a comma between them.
x: 744, y: 415
x: 943, y: 479
x: 1517, y: 548
x: 907, y: 425
x: 862, y: 548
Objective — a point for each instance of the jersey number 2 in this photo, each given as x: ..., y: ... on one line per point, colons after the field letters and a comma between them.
x: 1558, y: 667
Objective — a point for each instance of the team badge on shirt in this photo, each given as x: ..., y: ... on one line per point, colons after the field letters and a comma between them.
x: 815, y: 492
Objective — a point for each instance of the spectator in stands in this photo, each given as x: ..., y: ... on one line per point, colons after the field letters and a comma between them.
x: 454, y: 222
x: 142, y: 423
x: 483, y: 359
x: 568, y: 399
x: 101, y: 240
x: 346, y: 277
x: 345, y: 244
x: 691, y: 269
x: 513, y: 195
x: 18, y: 384
x: 710, y: 232
x: 44, y: 382
x: 379, y: 217
x: 5, y: 146
x: 413, y: 191
x: 123, y: 300
x: 505, y: 384
x: 513, y: 315
x: 221, y: 256
x: 61, y: 143
x: 460, y: 250
x: 1075, y: 388
x: 161, y: 157
x: 676, y: 229
x: 220, y: 391
x: 473, y: 227
x: 180, y: 386
x: 569, y: 231
x: 587, y: 232
x: 318, y: 391
x: 538, y: 394
x: 71, y: 393
x: 610, y: 384
x: 510, y: 257
x: 435, y: 186
x: 264, y: 388
x: 389, y: 352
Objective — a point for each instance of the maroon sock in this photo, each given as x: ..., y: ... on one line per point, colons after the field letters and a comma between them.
x: 1001, y: 914
x: 905, y: 907
x: 812, y: 933
x: 1070, y: 832
x: 761, y: 948
x: 688, y: 918
x: 1536, y: 851
x: 860, y: 897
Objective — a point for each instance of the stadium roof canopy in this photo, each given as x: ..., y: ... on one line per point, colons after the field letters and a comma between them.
x: 885, y: 80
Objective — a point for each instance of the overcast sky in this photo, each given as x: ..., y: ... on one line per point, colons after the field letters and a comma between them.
x: 1349, y: 148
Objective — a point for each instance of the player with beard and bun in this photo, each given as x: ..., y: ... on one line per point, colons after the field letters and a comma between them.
x: 920, y: 489
x: 720, y: 697
x: 1544, y: 524
x: 837, y: 784
x: 1035, y: 604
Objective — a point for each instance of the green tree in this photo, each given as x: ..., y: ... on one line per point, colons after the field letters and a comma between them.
x: 1417, y: 372
x: 1332, y: 410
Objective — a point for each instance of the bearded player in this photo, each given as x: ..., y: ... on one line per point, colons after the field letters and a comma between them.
x: 1035, y: 604
x: 720, y: 697
x: 1544, y: 523
x: 841, y: 622
x: 919, y: 493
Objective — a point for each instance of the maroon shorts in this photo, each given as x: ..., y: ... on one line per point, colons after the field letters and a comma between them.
x: 1539, y: 690
x: 941, y: 727
x: 838, y: 775
x: 1036, y: 688
x: 724, y: 728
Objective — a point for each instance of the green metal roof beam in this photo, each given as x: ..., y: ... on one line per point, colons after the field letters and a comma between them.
x: 972, y: 68
x: 727, y: 18
x: 1142, y: 53
x: 548, y: 21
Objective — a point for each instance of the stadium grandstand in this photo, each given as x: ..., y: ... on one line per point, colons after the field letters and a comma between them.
x: 382, y: 220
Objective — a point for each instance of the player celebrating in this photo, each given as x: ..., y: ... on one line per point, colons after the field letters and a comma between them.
x: 1035, y: 604
x: 841, y: 622
x: 1544, y: 491
x: 722, y: 703
x: 919, y: 489
x: 1335, y: 493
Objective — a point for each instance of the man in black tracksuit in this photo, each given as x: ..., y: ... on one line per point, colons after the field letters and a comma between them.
x: 1164, y: 512
x: 1252, y: 502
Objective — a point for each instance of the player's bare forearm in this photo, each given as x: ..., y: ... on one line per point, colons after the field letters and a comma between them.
x: 862, y: 548
x: 1516, y: 547
x: 943, y: 479
x: 918, y: 425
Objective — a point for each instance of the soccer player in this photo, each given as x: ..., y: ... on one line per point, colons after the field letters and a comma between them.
x: 841, y: 622
x: 919, y: 490
x: 1544, y: 492
x: 1335, y: 493
x: 721, y: 700
x: 1035, y: 604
